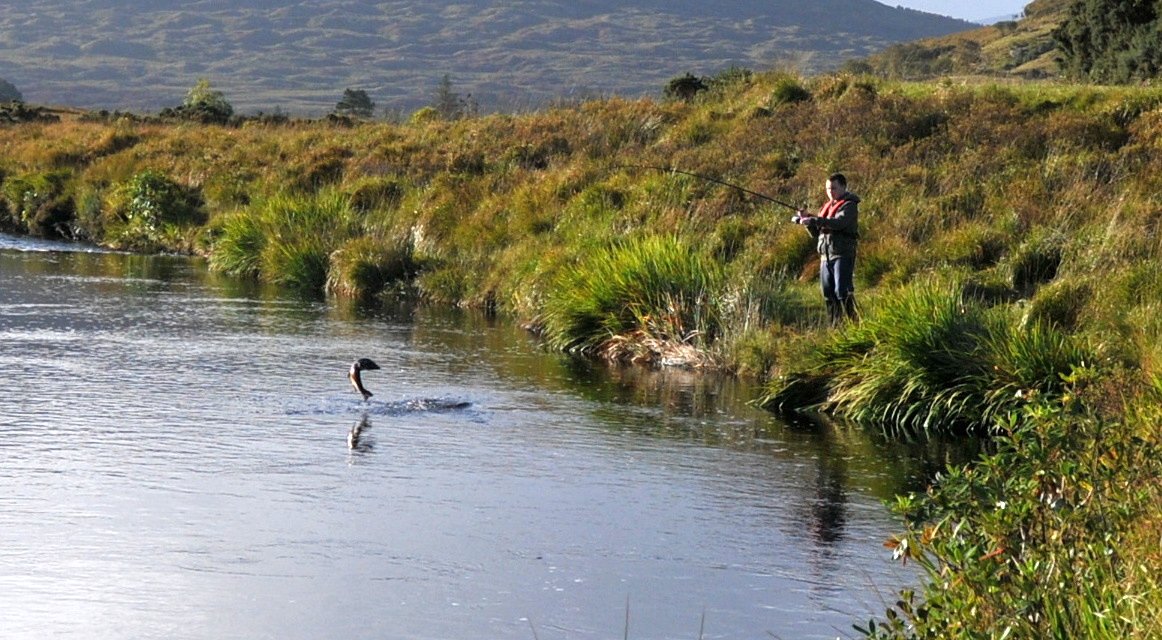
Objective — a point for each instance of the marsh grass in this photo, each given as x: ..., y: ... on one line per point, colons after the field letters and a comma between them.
x: 287, y: 239
x: 925, y: 360
x: 1041, y: 189
x: 237, y: 241
x: 365, y: 266
x: 657, y: 285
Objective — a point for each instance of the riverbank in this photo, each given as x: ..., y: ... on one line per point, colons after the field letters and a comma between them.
x: 1009, y: 237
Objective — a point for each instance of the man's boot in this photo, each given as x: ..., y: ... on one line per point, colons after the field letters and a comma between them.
x: 848, y: 304
x: 834, y: 312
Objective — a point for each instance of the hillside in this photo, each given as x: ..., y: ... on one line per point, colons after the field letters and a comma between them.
x: 299, y: 56
x: 1022, y: 48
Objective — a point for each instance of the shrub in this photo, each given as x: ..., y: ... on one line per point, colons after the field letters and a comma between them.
x: 1032, y: 540
x: 150, y: 207
x: 355, y: 103
x: 37, y: 203
x: 685, y: 87
x: 202, y: 104
x: 424, y: 116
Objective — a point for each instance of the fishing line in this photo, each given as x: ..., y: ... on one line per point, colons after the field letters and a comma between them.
x: 710, y: 179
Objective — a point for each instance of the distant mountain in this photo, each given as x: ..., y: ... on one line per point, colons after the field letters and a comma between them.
x: 298, y: 56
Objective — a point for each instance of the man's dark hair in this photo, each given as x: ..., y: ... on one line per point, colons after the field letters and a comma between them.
x: 838, y: 177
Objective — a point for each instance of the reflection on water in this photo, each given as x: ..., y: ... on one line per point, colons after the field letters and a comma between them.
x: 359, y: 437
x: 181, y: 455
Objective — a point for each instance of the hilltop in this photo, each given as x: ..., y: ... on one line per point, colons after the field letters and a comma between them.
x: 299, y: 56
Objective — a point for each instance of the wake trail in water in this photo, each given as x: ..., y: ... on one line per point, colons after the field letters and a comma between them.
x: 331, y: 406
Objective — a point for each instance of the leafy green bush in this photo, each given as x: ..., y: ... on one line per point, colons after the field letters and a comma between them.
x: 1110, y: 41
x: 1031, y: 541
x: 202, y: 104
x: 151, y: 208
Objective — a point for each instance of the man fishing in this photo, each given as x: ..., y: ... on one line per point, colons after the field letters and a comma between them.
x: 836, y: 232
x: 835, y: 229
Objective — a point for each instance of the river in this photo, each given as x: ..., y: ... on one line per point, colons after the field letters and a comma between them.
x: 181, y: 456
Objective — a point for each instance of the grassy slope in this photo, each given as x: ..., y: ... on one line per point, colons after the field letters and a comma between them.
x: 980, y: 180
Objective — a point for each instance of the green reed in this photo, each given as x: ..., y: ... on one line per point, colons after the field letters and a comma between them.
x: 656, y: 284
x: 927, y: 359
x: 365, y: 266
x: 286, y: 239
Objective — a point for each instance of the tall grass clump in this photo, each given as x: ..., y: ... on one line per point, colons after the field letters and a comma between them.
x: 239, y: 238
x: 37, y: 203
x: 302, y: 233
x: 366, y: 266
x: 786, y: 88
x: 654, y: 287
x: 928, y: 359
x: 286, y: 239
x: 1040, y: 539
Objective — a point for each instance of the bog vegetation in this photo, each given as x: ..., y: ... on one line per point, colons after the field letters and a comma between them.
x: 1008, y: 278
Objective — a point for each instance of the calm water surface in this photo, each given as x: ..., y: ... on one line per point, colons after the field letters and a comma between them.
x: 174, y: 463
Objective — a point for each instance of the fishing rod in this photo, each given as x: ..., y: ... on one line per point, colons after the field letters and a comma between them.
x: 710, y: 179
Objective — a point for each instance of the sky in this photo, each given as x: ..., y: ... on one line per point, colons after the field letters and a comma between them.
x: 976, y: 10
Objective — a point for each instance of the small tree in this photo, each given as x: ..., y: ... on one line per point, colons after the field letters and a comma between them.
x: 447, y: 102
x: 685, y: 87
x: 355, y: 103
x: 203, y: 104
x: 9, y: 92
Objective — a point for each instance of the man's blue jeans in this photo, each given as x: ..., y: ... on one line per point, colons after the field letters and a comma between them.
x: 837, y: 277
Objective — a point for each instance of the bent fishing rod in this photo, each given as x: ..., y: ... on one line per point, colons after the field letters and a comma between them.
x: 710, y: 179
